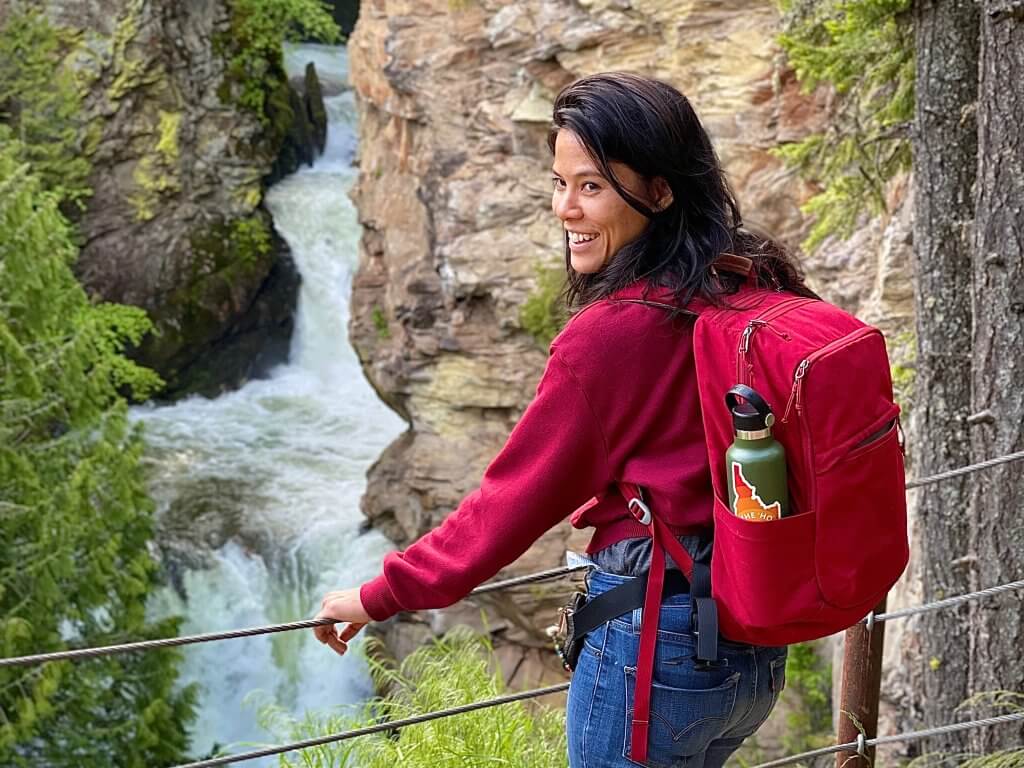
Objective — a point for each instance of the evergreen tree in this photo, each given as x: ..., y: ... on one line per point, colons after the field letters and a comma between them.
x: 74, y: 516
x: 864, y: 50
x: 41, y: 99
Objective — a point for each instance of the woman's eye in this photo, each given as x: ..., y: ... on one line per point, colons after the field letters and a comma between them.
x: 590, y: 186
x: 557, y: 182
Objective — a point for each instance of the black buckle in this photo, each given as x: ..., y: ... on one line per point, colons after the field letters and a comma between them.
x: 704, y: 622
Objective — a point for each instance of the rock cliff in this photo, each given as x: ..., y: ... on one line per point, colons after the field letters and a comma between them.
x: 175, y: 223
x: 455, y: 100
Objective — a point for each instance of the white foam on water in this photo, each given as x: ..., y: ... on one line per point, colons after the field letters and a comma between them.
x: 277, y: 468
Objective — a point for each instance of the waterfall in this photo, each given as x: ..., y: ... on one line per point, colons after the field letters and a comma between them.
x: 258, y: 490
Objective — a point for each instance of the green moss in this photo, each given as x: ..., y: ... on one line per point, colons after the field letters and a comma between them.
x: 244, y: 241
x: 380, y: 322
x: 543, y: 314
x: 250, y: 239
x: 230, y: 258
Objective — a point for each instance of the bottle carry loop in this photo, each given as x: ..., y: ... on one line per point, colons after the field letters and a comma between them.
x: 704, y: 612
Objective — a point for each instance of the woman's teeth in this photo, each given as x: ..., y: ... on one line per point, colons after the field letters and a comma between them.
x: 577, y: 237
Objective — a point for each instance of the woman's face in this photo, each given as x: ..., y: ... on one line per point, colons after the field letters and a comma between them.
x: 596, y: 218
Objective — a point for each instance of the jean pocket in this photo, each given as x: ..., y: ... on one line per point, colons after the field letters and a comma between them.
x: 594, y: 640
x: 683, y: 721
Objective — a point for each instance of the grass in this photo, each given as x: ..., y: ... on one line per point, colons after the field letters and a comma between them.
x: 458, y: 669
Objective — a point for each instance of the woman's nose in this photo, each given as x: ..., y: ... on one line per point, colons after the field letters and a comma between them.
x: 566, y: 205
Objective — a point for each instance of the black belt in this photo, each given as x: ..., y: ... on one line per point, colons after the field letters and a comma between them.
x: 623, y: 599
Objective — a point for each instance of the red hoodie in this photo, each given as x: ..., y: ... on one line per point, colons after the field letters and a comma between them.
x: 617, y: 402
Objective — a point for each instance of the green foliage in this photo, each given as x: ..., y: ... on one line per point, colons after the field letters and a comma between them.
x: 452, y: 671
x: 544, y: 313
x: 74, y: 516
x: 242, y: 243
x: 808, y: 697
x: 253, y: 46
x: 864, y: 50
x: 41, y: 100
x: 904, y: 372
x: 380, y: 322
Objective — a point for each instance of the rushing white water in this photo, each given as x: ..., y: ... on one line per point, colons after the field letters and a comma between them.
x: 258, y: 490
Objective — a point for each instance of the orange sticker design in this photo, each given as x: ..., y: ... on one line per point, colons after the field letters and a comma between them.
x: 748, y: 505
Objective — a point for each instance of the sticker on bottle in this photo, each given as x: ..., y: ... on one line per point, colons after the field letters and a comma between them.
x: 746, y: 503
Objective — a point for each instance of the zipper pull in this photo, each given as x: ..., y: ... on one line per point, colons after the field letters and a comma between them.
x: 745, y: 339
x: 794, y: 394
x: 744, y: 368
x: 747, y: 333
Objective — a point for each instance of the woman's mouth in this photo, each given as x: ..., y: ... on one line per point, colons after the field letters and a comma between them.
x: 580, y: 239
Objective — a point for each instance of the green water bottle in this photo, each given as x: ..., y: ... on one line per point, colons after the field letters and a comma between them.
x: 755, y: 462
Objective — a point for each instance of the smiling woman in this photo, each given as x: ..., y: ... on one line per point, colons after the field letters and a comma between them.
x: 647, y: 213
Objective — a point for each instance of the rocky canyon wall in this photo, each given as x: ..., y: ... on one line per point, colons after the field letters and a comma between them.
x: 454, y: 197
x: 175, y: 223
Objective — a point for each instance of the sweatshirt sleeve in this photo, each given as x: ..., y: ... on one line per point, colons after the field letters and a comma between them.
x: 555, y: 460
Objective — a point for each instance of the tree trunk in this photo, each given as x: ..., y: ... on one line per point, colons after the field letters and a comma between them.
x: 998, y: 361
x: 945, y: 164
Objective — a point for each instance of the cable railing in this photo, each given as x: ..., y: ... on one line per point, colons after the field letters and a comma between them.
x: 171, y: 642
x: 209, y: 637
x: 858, y: 746
x: 861, y: 745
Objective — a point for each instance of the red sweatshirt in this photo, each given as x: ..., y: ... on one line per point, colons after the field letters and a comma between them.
x: 617, y: 402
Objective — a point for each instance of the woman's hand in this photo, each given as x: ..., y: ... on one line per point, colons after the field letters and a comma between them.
x: 345, y: 607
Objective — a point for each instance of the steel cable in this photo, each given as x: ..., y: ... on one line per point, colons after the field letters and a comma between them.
x: 170, y: 642
x: 377, y: 728
x: 948, y: 602
x: 1010, y: 457
x: 854, y: 746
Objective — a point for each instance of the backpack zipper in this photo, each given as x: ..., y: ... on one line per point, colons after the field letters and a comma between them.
x: 796, y: 393
x: 743, y: 365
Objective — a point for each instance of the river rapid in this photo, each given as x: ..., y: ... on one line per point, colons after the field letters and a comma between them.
x: 257, y: 490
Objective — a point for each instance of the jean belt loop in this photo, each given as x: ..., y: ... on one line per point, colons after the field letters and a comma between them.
x: 638, y: 617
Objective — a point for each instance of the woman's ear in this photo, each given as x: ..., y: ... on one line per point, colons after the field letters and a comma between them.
x: 661, y: 193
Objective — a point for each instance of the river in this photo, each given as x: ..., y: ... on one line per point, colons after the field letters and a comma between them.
x: 258, y: 490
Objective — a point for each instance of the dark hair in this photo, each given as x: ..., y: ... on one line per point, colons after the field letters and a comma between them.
x: 651, y: 127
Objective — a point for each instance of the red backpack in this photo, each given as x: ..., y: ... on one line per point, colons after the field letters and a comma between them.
x: 824, y: 566
x: 844, y: 544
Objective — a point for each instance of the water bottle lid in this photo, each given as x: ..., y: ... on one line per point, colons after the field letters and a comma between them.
x: 751, y: 416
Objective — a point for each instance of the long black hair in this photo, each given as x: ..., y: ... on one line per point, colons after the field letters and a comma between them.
x: 650, y: 126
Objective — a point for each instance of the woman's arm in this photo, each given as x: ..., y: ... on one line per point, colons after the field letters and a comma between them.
x: 555, y: 460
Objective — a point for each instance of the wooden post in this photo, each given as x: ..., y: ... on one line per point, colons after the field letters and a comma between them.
x: 862, y: 679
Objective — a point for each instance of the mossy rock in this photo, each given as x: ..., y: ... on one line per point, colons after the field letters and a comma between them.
x: 230, y: 261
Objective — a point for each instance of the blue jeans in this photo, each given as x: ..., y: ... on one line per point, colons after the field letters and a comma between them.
x: 698, y: 718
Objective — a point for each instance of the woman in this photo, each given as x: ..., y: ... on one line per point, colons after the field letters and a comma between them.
x: 646, y: 212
